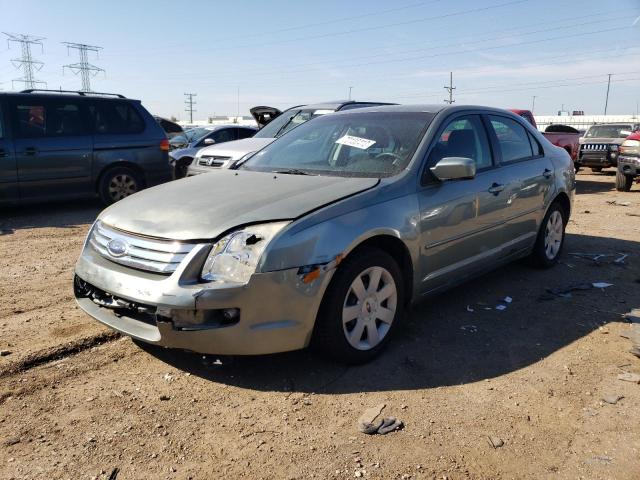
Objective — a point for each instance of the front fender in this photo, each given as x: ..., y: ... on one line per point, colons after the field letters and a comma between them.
x: 306, y: 243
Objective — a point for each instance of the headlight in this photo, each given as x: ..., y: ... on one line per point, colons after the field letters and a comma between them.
x: 630, y: 146
x: 614, y: 148
x: 235, y: 257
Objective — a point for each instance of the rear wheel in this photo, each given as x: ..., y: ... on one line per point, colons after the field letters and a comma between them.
x: 623, y: 182
x: 118, y: 183
x: 550, y: 237
x: 361, y: 307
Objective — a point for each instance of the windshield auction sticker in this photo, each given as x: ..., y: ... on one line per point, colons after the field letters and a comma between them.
x: 357, y: 142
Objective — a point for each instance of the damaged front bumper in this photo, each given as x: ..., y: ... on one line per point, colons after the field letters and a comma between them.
x: 629, y: 165
x: 274, y: 312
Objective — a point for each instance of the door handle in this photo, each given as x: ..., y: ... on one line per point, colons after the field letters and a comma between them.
x: 30, y: 151
x: 496, y: 188
x: 547, y: 173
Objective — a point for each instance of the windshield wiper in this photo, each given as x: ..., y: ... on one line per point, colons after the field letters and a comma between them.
x: 293, y: 171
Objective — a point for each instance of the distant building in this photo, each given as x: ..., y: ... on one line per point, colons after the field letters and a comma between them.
x: 580, y: 121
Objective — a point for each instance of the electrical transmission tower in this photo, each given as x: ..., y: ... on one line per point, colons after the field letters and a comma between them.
x: 450, y: 89
x: 190, y: 103
x: 83, y: 67
x: 26, y: 61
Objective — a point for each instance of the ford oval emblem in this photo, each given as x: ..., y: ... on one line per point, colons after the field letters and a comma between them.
x: 117, y: 247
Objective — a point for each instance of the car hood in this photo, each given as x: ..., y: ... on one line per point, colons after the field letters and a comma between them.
x: 206, y: 206
x: 236, y: 149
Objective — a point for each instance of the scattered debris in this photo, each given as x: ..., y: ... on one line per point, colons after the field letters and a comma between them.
x: 633, y: 214
x: 11, y: 441
x: 507, y: 299
x: 168, y: 377
x: 633, y: 316
x: 164, y: 398
x: 612, y: 398
x: 629, y: 377
x: 602, y: 285
x: 469, y: 328
x: 620, y: 204
x: 621, y: 258
x: 501, y: 307
x: 371, y: 423
x: 469, y: 309
x: 114, y: 473
x: 495, y: 442
x: 565, y: 291
x: 4, y: 353
x: 635, y: 350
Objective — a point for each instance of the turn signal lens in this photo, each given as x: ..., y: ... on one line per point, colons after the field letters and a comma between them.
x: 164, y: 145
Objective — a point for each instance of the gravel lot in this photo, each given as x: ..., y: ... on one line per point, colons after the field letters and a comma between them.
x: 78, y: 402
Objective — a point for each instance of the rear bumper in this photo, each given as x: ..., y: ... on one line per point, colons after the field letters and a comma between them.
x: 629, y: 165
x: 277, y: 311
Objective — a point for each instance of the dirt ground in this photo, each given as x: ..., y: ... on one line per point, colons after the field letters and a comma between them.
x: 77, y: 402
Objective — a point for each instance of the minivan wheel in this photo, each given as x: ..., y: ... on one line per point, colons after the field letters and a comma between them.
x: 118, y: 183
x: 550, y: 241
x: 361, y: 307
x: 623, y: 182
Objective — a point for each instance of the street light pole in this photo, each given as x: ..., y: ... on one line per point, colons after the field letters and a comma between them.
x: 350, y: 88
x: 533, y: 104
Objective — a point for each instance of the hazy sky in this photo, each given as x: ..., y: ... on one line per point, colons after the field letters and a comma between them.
x: 281, y: 53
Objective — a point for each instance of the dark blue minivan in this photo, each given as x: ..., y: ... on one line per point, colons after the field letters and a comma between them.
x: 63, y: 145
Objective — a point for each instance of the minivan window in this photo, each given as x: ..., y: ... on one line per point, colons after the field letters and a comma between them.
x: 30, y: 121
x: 512, y: 139
x: 114, y: 118
x: 371, y: 144
x: 49, y: 119
x: 245, y: 133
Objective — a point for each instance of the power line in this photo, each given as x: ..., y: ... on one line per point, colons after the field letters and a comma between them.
x: 83, y: 67
x: 450, y: 89
x: 189, y: 105
x: 26, y: 62
x: 606, y: 102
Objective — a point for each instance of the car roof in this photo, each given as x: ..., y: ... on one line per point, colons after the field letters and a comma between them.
x: 223, y: 125
x: 425, y: 108
x: 67, y: 94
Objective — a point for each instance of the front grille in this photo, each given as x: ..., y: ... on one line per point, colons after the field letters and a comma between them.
x: 159, y: 256
x: 594, y: 147
x: 213, y: 161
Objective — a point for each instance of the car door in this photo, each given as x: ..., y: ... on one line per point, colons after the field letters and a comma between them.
x: 460, y: 220
x: 53, y: 147
x: 8, y: 169
x: 527, y: 179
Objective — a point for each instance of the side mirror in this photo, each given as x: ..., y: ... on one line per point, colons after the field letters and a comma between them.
x: 454, y: 168
x: 209, y: 141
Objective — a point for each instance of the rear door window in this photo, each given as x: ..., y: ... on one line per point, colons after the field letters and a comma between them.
x: 116, y: 118
x: 513, y: 139
x: 49, y: 119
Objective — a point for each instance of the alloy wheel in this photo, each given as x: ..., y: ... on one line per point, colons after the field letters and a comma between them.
x: 121, y: 186
x: 553, y: 235
x: 369, y: 308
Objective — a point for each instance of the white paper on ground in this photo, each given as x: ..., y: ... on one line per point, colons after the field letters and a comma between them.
x: 602, y: 284
x: 501, y: 307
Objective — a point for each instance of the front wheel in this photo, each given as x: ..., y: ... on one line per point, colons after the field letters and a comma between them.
x: 550, y: 237
x: 623, y: 182
x: 361, y: 307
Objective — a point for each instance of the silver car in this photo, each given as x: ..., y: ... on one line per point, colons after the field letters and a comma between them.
x: 329, y: 233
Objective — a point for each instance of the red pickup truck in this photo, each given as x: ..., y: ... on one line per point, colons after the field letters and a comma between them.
x: 561, y: 136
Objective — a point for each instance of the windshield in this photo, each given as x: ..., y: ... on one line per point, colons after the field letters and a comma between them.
x: 196, y: 134
x: 609, y: 131
x: 362, y: 144
x: 287, y: 121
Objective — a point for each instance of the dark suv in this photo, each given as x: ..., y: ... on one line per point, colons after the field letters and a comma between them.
x: 61, y: 145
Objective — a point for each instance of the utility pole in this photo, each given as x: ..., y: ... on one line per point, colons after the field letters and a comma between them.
x: 190, y: 103
x: 83, y: 67
x: 350, y: 88
x: 533, y: 104
x: 606, y: 102
x: 450, y: 89
x: 238, y: 107
x: 26, y: 61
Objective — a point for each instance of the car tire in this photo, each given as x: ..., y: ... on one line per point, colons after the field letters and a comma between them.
x: 181, y: 167
x: 596, y: 169
x: 349, y: 326
x: 551, y: 236
x: 118, y: 183
x: 577, y: 167
x: 623, y: 182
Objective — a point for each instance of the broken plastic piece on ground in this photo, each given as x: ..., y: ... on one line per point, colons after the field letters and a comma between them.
x: 469, y: 309
x: 507, y: 299
x: 602, y: 284
x: 629, y: 377
x: 389, y: 424
x: 564, y: 292
x: 621, y: 258
x: 469, y: 328
x: 495, y: 442
x: 501, y: 307
x: 620, y: 204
